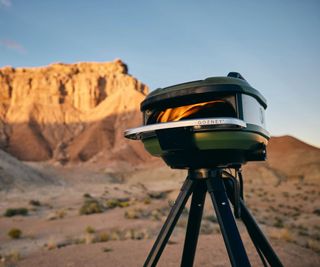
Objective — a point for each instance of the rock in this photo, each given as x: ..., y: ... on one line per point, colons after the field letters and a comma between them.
x: 70, y: 112
x: 52, y: 216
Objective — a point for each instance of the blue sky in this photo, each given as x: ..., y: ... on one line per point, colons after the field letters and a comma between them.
x: 274, y: 44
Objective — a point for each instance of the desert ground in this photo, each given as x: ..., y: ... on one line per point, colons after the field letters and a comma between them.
x: 103, y: 218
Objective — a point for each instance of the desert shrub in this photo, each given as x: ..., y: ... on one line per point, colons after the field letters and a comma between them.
x: 285, y: 194
x: 295, y: 214
x: 156, y: 214
x: 137, y: 234
x: 211, y: 218
x: 133, y: 214
x: 157, y: 194
x: 147, y: 200
x: 10, y: 258
x: 61, y: 214
x: 103, y: 237
x: 303, y: 232
x: 116, y: 234
x: 54, y: 244
x: 89, y: 239
x: 316, y: 236
x: 317, y: 212
x: 278, y: 222
x: 286, y: 235
x: 114, y: 202
x: 124, y: 204
x: 314, y: 245
x: 283, y: 234
x: 16, y: 211
x: 15, y: 233
x: 138, y: 213
x: 90, y: 230
x: 107, y: 249
x: 91, y: 206
x: 34, y: 202
x: 51, y: 244
x: 271, y: 208
x: 207, y: 228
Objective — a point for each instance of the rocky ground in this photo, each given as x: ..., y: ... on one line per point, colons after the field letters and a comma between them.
x: 104, y: 219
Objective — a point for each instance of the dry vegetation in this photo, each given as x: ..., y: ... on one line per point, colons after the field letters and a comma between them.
x: 289, y: 210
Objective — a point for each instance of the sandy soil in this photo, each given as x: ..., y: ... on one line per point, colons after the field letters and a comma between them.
x: 133, y: 210
x: 210, y: 252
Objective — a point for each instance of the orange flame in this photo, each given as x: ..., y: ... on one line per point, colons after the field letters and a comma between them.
x: 178, y: 113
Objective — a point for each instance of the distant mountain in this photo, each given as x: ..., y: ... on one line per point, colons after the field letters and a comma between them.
x: 294, y: 158
x: 70, y: 112
x: 288, y: 159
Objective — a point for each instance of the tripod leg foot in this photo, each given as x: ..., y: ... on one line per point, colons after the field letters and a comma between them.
x: 169, y: 224
x: 258, y: 238
x: 194, y: 223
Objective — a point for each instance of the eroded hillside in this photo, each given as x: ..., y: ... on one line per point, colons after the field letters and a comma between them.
x: 70, y: 112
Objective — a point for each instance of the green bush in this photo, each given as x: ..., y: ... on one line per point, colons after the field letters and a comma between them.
x: 15, y: 233
x: 16, y: 211
x: 90, y: 206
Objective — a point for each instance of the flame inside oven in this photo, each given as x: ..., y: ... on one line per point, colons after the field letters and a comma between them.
x: 215, y: 108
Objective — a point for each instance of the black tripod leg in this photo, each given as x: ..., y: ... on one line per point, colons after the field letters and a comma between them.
x: 169, y: 224
x: 236, y: 251
x: 194, y: 222
x: 257, y: 236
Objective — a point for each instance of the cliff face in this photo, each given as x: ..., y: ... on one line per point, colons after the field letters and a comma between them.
x: 70, y: 112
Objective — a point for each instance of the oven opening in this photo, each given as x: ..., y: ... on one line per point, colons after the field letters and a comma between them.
x: 210, y: 109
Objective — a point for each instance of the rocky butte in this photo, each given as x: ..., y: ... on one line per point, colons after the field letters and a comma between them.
x: 70, y: 112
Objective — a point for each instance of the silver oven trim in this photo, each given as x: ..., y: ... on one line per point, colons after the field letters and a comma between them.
x: 197, y: 124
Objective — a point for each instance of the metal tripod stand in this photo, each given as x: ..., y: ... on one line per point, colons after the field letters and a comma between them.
x: 222, y: 187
